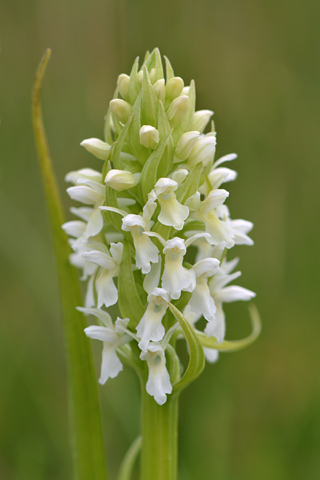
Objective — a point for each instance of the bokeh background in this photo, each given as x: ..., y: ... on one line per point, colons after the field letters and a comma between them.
x: 255, y: 414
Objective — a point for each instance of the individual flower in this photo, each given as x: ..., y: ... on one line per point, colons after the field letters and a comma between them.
x: 109, y: 268
x: 150, y: 326
x: 89, y: 190
x: 158, y: 384
x: 112, y: 337
x: 172, y: 212
x: 201, y: 301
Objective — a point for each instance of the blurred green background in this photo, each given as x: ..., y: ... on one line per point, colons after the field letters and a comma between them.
x: 255, y: 414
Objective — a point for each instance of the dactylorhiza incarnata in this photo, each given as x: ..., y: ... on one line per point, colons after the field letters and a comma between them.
x: 154, y: 231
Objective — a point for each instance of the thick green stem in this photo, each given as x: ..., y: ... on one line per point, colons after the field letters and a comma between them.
x: 159, y: 452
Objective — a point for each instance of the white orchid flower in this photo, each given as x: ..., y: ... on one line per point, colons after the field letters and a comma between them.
x: 150, y: 326
x: 112, y: 337
x: 89, y: 190
x: 201, y: 301
x: 158, y: 384
x: 172, y: 213
x: 109, y: 268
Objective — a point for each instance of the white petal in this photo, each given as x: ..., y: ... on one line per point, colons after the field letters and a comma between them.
x: 101, y: 333
x: 84, y: 173
x: 211, y: 355
x: 99, y: 258
x: 233, y: 294
x: 106, y: 289
x: 95, y: 223
x: 103, y: 316
x: 111, y: 364
x: 207, y: 267
x: 214, y: 200
x: 158, y: 384
x: 225, y: 158
x: 74, y: 228
x: 201, y: 301
x: 84, y: 195
x: 151, y: 280
x: 217, y: 327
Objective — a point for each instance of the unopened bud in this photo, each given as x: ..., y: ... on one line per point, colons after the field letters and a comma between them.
x: 177, y: 110
x: 149, y: 136
x: 123, y: 85
x: 97, y: 147
x: 174, y: 88
x: 140, y: 77
x: 185, y: 144
x: 203, y: 151
x: 120, y: 109
x: 160, y: 89
x: 121, y: 179
x: 200, y: 120
x: 152, y: 75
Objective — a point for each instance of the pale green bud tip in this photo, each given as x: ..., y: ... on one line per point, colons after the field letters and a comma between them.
x: 123, y: 85
x: 149, y: 136
x: 160, y: 89
x: 174, y: 88
x: 200, y: 120
x: 120, y: 109
x: 97, y: 147
x: 177, y: 110
x: 186, y: 144
x: 120, y: 179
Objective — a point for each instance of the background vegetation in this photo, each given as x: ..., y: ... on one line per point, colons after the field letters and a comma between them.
x: 255, y: 414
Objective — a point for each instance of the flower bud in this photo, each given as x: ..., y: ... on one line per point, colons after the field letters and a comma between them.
x: 174, y: 88
x: 120, y: 180
x: 177, y: 110
x: 152, y: 75
x: 185, y: 144
x: 120, y: 109
x: 160, y: 90
x: 140, y: 77
x: 123, y: 85
x: 97, y: 147
x: 203, y: 151
x: 200, y: 120
x: 149, y: 136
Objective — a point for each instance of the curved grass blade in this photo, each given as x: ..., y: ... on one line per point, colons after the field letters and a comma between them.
x: 234, y: 345
x: 85, y: 420
x: 129, y: 460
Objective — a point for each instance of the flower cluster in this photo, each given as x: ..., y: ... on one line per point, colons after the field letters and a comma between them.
x: 155, y: 230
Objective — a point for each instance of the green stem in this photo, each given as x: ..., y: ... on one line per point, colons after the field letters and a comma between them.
x: 159, y: 452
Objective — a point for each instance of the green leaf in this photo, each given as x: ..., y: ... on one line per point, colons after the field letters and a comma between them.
x: 149, y: 101
x: 85, y: 425
x: 196, y: 354
x: 234, y: 345
x: 129, y: 460
x: 164, y: 128
x: 129, y: 301
x: 169, y: 69
x: 149, y: 174
x: 139, y: 151
x: 118, y: 145
x: 134, y: 86
x: 154, y: 61
x: 190, y: 185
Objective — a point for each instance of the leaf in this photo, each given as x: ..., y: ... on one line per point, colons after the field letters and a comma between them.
x: 129, y: 301
x: 234, y: 345
x: 190, y: 185
x: 185, y: 123
x: 149, y: 101
x: 117, y: 146
x: 149, y: 174
x: 139, y: 151
x: 196, y: 354
x: 164, y: 128
x: 85, y: 425
x: 129, y: 460
x: 134, y: 87
x: 169, y: 69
